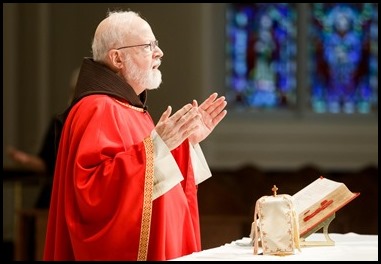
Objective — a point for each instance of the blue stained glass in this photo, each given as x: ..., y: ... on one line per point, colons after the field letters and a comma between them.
x: 344, y: 58
x: 261, y: 51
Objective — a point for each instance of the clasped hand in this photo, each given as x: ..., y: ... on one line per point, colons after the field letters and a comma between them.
x: 192, y: 121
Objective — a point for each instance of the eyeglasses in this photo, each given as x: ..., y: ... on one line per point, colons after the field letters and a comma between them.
x: 152, y: 45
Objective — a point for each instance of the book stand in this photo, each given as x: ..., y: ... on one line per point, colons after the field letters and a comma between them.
x: 324, y: 225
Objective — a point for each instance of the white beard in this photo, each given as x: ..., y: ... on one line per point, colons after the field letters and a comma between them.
x: 152, y: 79
x: 149, y: 79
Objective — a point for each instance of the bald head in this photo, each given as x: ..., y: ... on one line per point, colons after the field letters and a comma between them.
x: 125, y: 43
x: 114, y: 30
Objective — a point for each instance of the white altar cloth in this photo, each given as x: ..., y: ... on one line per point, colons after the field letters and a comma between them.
x: 350, y: 246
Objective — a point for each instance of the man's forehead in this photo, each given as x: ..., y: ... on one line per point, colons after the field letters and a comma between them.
x: 142, y: 30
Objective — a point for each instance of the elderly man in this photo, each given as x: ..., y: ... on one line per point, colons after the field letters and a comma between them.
x: 125, y: 188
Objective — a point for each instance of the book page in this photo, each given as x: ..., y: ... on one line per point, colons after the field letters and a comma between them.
x: 313, y: 193
x: 318, y: 200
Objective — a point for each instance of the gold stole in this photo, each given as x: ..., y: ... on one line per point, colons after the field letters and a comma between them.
x: 147, y: 201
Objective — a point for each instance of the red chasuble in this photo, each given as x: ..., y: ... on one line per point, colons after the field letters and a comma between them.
x: 101, y: 207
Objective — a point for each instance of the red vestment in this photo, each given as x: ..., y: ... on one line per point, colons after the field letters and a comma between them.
x: 97, y: 197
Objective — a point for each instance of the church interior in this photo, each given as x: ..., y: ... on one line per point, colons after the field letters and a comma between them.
x: 302, y: 103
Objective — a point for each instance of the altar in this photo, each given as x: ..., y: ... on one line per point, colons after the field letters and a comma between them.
x: 349, y: 246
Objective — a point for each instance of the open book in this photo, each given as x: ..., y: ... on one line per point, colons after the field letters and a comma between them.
x: 318, y: 201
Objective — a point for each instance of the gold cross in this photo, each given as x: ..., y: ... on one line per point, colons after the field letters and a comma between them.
x: 274, y: 189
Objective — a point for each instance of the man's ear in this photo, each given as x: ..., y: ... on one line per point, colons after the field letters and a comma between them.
x: 115, y: 59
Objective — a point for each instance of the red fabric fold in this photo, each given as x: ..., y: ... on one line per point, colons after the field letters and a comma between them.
x: 97, y: 197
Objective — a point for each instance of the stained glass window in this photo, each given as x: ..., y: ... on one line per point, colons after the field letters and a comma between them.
x: 341, y: 59
x: 344, y: 57
x: 261, y: 50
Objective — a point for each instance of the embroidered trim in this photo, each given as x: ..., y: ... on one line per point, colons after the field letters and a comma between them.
x: 261, y: 230
x: 147, y: 201
x: 130, y: 106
